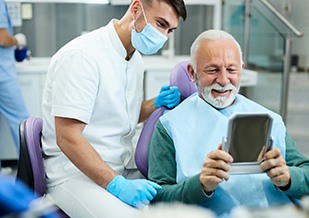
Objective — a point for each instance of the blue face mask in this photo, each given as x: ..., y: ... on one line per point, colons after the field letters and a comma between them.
x: 149, y: 41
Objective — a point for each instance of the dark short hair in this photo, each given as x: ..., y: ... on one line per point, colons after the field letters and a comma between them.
x: 178, y: 5
x: 180, y: 8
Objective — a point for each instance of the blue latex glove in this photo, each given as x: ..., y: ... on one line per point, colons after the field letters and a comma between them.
x: 169, y: 97
x: 137, y: 193
x: 15, y: 197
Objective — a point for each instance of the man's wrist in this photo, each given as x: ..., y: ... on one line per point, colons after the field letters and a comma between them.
x: 284, y: 188
x: 114, y: 185
x: 156, y: 103
x: 208, y: 194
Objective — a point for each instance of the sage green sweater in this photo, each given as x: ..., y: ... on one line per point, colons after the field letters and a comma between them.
x: 162, y: 170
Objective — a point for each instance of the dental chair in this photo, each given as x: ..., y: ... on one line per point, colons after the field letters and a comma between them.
x: 179, y: 77
x: 30, y: 169
x: 30, y: 165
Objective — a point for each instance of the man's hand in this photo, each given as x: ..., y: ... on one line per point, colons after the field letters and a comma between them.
x: 21, y: 39
x: 169, y: 97
x: 137, y: 193
x: 215, y: 169
x: 276, y: 168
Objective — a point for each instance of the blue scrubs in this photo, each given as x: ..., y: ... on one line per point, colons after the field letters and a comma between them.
x: 12, y: 105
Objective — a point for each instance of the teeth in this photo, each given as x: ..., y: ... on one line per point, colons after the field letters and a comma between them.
x: 221, y: 91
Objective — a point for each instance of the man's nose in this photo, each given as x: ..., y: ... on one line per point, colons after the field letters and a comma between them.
x: 223, y: 78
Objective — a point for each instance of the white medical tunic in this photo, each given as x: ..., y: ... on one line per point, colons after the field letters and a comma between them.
x: 90, y: 80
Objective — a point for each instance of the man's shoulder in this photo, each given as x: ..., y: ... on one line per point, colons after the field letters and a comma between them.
x: 253, y: 106
x: 181, y: 109
x: 90, y: 44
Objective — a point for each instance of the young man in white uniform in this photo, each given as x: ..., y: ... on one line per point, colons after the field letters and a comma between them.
x: 92, y: 103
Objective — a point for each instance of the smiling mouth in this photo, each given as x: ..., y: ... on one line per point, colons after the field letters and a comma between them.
x: 221, y: 92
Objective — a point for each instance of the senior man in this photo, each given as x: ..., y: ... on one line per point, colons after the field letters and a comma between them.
x: 185, y: 154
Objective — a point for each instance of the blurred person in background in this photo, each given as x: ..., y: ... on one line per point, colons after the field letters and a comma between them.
x: 12, y: 106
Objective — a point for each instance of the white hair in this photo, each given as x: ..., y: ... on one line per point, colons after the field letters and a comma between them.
x: 176, y: 210
x: 212, y: 34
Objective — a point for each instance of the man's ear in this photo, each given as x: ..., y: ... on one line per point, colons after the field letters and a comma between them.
x: 191, y: 72
x: 242, y: 65
x: 135, y: 7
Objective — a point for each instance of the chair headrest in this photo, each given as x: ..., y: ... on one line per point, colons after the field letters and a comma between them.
x: 180, y: 78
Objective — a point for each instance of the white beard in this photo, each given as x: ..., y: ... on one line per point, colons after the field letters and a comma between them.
x: 219, y: 102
